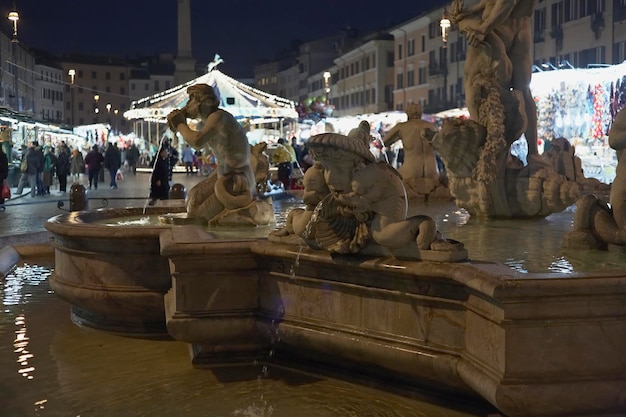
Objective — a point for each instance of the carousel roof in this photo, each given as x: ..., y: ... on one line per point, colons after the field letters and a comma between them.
x: 239, y: 99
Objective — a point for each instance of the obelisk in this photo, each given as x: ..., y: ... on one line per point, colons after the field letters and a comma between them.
x: 184, y: 62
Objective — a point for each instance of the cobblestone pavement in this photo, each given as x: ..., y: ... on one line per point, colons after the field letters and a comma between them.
x: 24, y: 216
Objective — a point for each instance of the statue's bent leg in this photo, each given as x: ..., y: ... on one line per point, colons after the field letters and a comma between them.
x: 419, y: 229
x: 233, y: 190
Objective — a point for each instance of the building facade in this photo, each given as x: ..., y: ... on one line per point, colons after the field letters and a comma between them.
x: 566, y: 33
x: 579, y: 33
x: 363, y: 78
x: 97, y: 92
x: 17, y: 75
x: 49, y: 90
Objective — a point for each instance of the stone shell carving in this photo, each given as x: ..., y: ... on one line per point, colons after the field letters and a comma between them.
x: 335, y: 232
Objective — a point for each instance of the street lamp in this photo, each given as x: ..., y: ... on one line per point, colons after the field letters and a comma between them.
x: 72, y: 74
x: 14, y: 17
x: 115, y: 112
x: 108, y: 107
x: 96, y: 110
x: 327, y: 86
x: 445, y: 25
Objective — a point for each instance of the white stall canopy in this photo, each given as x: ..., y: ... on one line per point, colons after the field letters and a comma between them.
x: 241, y: 100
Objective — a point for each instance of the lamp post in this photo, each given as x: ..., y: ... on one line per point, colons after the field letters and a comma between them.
x: 327, y: 86
x: 72, y: 74
x: 445, y: 25
x: 96, y: 110
x: 14, y: 17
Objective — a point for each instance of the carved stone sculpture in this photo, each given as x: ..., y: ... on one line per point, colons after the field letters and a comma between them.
x: 485, y: 178
x: 357, y: 205
x: 419, y: 171
x: 596, y: 223
x: 226, y: 197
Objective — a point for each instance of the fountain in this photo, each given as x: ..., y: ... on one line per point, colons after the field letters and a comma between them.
x: 358, y: 280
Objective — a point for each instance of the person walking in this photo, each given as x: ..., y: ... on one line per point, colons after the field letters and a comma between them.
x: 284, y: 156
x: 112, y: 162
x: 40, y: 168
x: 62, y: 169
x: 4, y: 172
x: 188, y: 159
x: 93, y: 160
x: 132, y: 157
x: 31, y: 169
x: 77, y: 164
x: 49, y: 165
x: 159, y: 180
x: 298, y: 150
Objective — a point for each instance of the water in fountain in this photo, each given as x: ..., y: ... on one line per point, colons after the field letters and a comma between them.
x: 52, y: 367
x: 526, y: 246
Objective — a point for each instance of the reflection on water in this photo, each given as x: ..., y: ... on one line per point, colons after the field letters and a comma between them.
x: 526, y: 246
x: 52, y: 367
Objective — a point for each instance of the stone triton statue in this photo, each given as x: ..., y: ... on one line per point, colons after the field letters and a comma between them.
x: 355, y: 204
x: 484, y: 177
x: 499, y: 37
x: 227, y: 195
x: 596, y: 224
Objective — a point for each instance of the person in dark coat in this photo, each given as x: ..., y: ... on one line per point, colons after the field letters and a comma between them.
x: 49, y: 166
x: 112, y: 162
x: 159, y: 181
x: 40, y: 167
x: 62, y: 168
x: 132, y: 157
x: 93, y: 160
x: 4, y: 170
x: 34, y: 167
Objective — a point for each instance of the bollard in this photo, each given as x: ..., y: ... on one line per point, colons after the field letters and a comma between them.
x: 177, y: 191
x: 78, y: 197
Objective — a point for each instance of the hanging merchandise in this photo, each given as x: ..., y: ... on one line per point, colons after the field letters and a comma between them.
x: 597, y: 128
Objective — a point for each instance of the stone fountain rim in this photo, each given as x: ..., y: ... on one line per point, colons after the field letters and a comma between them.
x: 80, y: 223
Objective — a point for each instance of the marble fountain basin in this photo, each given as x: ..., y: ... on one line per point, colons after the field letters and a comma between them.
x: 113, y: 277
x: 531, y: 344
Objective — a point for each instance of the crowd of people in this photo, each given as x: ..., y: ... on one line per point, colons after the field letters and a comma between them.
x: 43, y: 166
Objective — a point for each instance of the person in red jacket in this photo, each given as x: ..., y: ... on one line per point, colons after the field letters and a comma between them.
x: 93, y: 160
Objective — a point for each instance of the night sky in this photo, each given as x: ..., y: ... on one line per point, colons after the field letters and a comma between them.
x: 241, y: 31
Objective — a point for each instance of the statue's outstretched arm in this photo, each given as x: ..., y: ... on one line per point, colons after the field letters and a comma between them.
x: 392, y: 136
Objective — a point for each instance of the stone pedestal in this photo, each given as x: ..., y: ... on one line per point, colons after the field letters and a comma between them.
x: 214, y: 302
